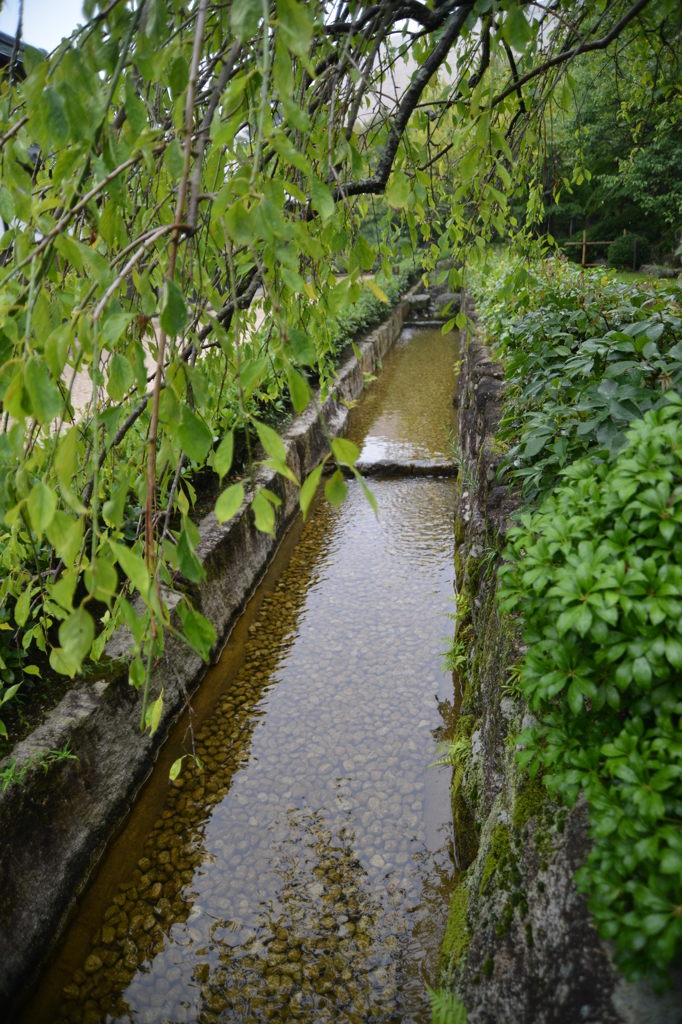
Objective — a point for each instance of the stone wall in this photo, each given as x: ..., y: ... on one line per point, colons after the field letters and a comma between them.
x: 520, y: 947
x: 54, y: 825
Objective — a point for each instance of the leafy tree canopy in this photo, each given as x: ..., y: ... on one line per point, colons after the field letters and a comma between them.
x: 182, y: 190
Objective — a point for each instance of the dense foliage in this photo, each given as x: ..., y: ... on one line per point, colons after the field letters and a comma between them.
x: 183, y: 190
x: 595, y: 569
x: 596, y: 572
x: 584, y: 355
x: 615, y: 139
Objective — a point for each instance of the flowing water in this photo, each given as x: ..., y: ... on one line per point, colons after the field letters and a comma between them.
x: 305, y: 873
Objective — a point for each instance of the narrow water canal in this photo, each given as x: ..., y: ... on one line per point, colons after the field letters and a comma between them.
x: 305, y: 874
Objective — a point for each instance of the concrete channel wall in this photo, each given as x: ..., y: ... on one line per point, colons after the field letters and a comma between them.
x: 53, y: 827
x: 520, y: 944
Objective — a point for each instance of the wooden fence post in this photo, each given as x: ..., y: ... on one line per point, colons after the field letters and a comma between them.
x: 584, y: 245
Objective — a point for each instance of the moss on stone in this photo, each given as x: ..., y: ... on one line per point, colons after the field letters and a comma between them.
x: 472, y: 568
x: 457, y: 936
x: 464, y: 825
x: 529, y: 802
x: 459, y: 567
x: 498, y: 447
x: 500, y: 849
x: 459, y: 530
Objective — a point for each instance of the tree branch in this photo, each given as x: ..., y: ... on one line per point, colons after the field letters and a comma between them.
x: 598, y: 44
x: 377, y: 182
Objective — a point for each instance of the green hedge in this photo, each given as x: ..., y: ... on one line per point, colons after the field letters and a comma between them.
x: 623, y: 255
x: 594, y: 415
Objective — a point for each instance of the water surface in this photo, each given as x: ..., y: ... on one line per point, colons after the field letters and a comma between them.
x: 305, y: 873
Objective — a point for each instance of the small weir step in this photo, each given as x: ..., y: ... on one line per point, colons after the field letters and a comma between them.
x: 404, y: 467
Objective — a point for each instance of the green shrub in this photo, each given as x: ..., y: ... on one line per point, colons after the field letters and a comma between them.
x: 622, y: 252
x: 584, y: 355
x: 596, y: 572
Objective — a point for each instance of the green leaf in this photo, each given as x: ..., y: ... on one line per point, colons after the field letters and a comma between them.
x: 469, y: 164
x: 501, y: 144
x: 338, y: 297
x: 281, y: 468
x: 652, y: 924
x: 322, y: 199
x: 155, y: 711
x: 6, y: 206
x: 101, y: 580
x: 133, y: 566
x: 535, y: 445
x: 293, y: 280
x: 245, y: 16
x: 120, y: 377
x: 380, y: 294
x: 46, y: 401
x: 264, y: 513
x: 641, y: 673
x: 335, y: 489
x: 65, y: 534
x: 63, y: 590
x: 178, y: 76
x: 271, y: 441
x: 222, y: 460
x: 194, y: 436
x: 53, y: 116
x: 239, y: 224
x: 174, y: 160
x: 76, y: 634
x: 134, y: 624
x: 302, y: 347
x: 136, y: 673
x: 190, y: 566
x: 229, y: 503
x: 673, y: 652
x: 8, y: 694
x: 294, y: 26
x: 113, y: 509
x: 345, y: 451
x: 309, y: 489
x: 177, y: 765
x: 57, y: 348
x: 398, y: 191
x: 173, y: 319
x: 575, y: 698
x: 298, y: 389
x: 41, y: 504
x: 136, y: 112
x: 516, y: 29
x: 251, y: 372
x: 22, y: 606
x: 198, y: 631
x: 114, y: 327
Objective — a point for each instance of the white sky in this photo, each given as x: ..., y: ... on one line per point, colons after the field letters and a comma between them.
x: 45, y: 21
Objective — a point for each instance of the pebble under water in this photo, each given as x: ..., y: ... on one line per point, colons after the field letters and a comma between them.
x: 305, y: 873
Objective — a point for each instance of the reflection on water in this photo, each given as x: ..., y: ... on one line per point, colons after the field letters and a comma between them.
x: 305, y: 873
x: 404, y: 413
